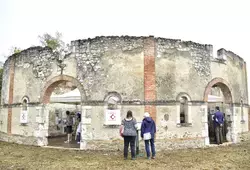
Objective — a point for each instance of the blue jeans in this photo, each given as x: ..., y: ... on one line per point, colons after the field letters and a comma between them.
x: 152, y: 144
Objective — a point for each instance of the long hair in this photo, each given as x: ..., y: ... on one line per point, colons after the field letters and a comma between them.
x: 129, y: 114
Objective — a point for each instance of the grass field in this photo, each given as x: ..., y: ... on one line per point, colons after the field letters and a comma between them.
x: 14, y: 156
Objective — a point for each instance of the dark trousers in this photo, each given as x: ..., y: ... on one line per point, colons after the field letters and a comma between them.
x: 78, y: 137
x: 129, y: 140
x: 218, y: 134
x: 152, y: 144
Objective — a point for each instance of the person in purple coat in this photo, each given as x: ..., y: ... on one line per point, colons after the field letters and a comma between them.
x: 148, y: 130
x: 218, y: 124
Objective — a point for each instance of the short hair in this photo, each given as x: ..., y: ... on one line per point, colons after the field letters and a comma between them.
x: 67, y: 112
x: 217, y: 108
x: 129, y: 114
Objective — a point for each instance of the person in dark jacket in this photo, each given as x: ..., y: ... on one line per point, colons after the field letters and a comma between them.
x: 218, y: 124
x: 129, y: 134
x: 69, y: 124
x: 148, y: 127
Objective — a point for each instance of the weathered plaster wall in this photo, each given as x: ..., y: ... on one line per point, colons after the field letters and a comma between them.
x: 117, y: 64
x: 113, y: 63
x: 233, y: 70
x: 169, y: 136
x: 24, y: 130
x: 168, y: 129
x: 4, y: 119
x: 241, y: 120
x: 32, y: 67
x: 5, y: 83
x: 182, y: 67
x: 98, y: 131
x: 160, y: 144
x: 25, y: 140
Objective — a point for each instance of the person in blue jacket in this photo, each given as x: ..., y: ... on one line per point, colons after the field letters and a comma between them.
x: 148, y: 130
x: 218, y: 124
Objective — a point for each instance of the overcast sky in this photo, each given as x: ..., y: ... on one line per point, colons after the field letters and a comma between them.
x: 222, y: 23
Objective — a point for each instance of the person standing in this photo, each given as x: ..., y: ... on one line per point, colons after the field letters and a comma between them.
x: 78, y: 130
x: 69, y: 124
x: 148, y: 130
x: 75, y: 124
x: 218, y: 123
x: 129, y: 134
x: 57, y: 121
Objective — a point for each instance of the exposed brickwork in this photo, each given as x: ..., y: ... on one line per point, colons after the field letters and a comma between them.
x: 11, y: 93
x: 225, y: 87
x: 149, y: 75
x: 51, y: 84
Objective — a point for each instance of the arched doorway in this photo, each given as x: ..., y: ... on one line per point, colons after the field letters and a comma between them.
x: 219, y: 93
x: 60, y: 95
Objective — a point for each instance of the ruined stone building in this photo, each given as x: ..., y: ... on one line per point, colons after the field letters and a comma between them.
x: 174, y: 80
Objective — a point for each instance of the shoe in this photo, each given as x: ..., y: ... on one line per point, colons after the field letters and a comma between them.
x: 78, y: 142
x: 148, y: 157
x: 66, y: 141
x: 153, y: 157
x: 125, y: 158
x: 133, y: 158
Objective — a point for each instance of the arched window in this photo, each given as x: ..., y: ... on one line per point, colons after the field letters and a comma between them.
x: 112, y: 102
x: 183, y: 110
x: 112, y: 109
x: 24, y: 111
x: 25, y: 104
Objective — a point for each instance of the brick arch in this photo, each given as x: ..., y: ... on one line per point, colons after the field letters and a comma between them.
x: 225, y: 88
x: 53, y: 83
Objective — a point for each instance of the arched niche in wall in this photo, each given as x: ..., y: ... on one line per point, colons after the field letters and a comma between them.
x: 112, y: 100
x: 112, y: 109
x: 183, y: 101
x: 24, y: 111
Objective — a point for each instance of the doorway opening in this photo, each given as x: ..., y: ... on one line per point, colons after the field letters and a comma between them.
x: 218, y: 94
x: 63, y: 105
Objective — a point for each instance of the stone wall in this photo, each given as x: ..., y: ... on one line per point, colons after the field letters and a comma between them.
x: 179, y: 66
x: 160, y: 145
x: 146, y: 74
x: 98, y: 61
x: 233, y: 69
x: 20, y: 139
x: 244, y: 136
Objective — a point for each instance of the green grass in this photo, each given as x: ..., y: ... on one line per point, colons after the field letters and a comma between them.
x: 14, y: 156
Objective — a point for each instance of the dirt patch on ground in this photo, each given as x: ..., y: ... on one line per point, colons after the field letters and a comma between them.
x: 14, y: 156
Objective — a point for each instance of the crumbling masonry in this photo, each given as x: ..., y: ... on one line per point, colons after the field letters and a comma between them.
x: 146, y: 73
